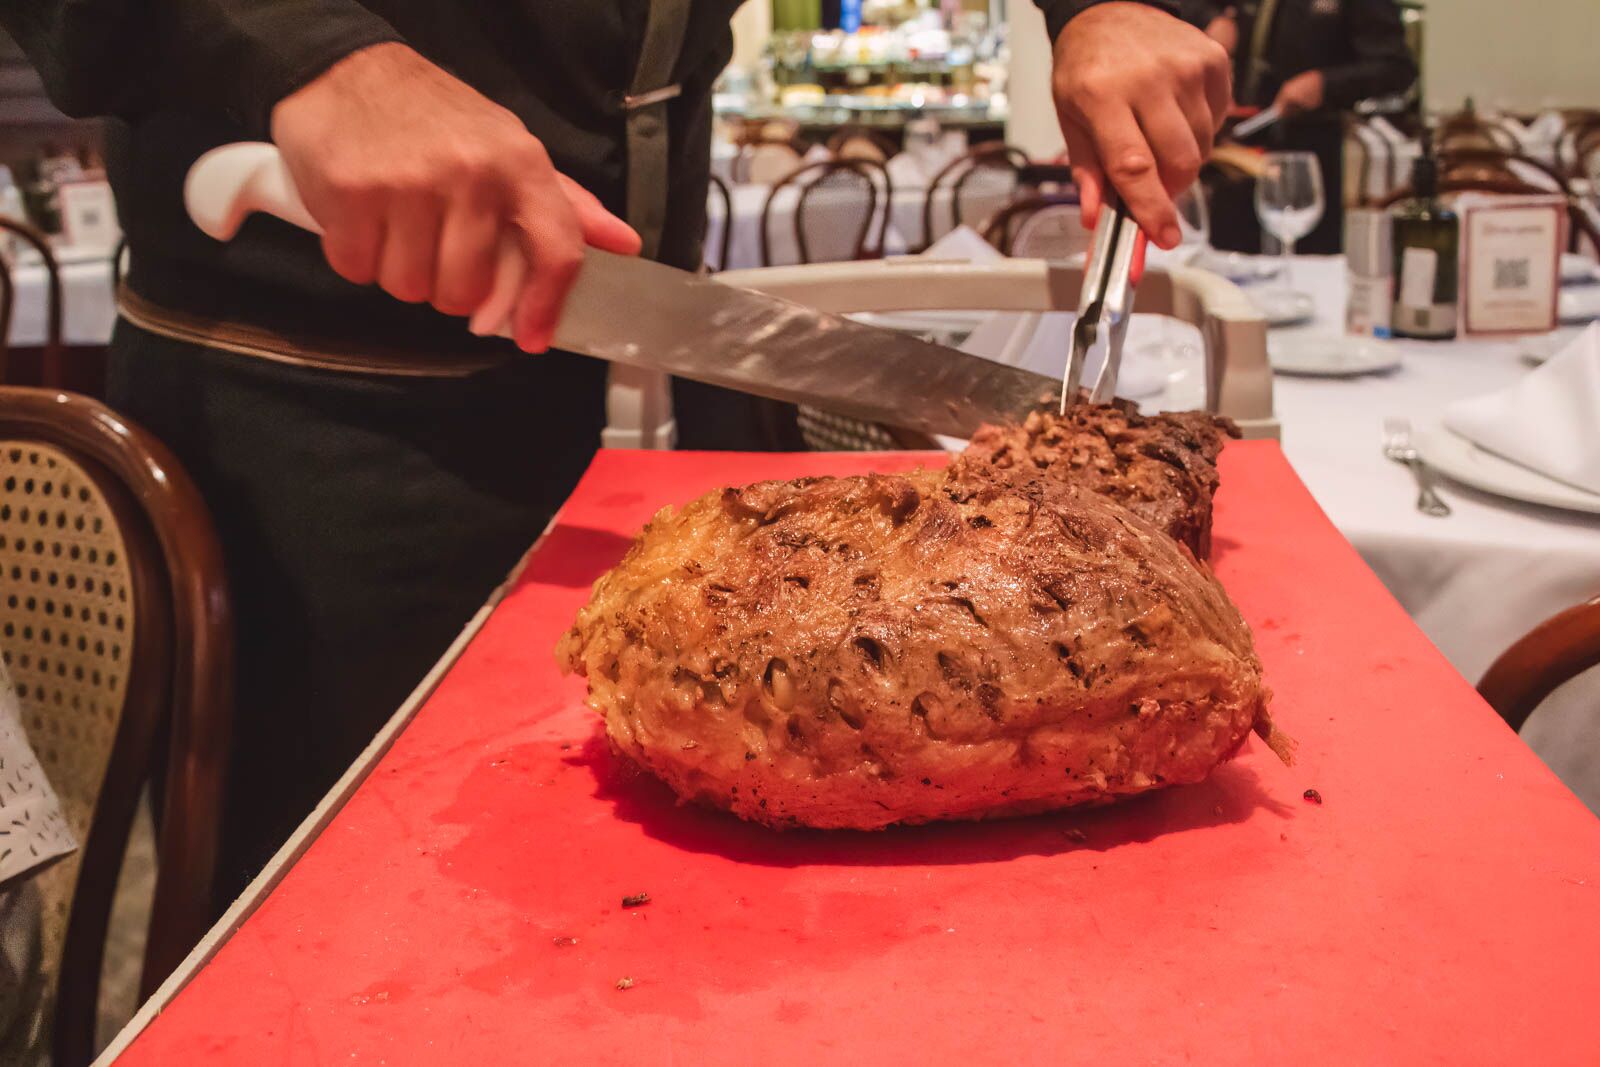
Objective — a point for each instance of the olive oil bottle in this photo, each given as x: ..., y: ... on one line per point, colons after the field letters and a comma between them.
x: 1427, y: 244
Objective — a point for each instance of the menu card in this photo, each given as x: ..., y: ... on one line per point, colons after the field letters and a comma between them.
x: 1511, y: 260
x: 89, y: 215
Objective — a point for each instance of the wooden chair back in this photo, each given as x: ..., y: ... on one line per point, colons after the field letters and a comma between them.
x: 51, y: 368
x: 1004, y: 163
x: 1586, y: 155
x: 836, y: 203
x: 827, y: 431
x: 1467, y: 129
x: 1550, y: 655
x: 1578, y: 143
x: 1493, y: 164
x: 115, y: 626
x: 719, y: 192
x: 1039, y: 227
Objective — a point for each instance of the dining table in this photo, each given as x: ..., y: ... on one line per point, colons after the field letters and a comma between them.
x: 1482, y: 577
x: 1475, y: 581
x: 88, y: 303
x: 490, y: 883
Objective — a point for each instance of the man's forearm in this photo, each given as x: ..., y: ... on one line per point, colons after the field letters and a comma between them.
x: 236, y: 57
x: 1057, y: 13
x: 1384, y: 63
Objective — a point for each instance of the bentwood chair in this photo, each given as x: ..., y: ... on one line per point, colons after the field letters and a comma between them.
x: 724, y: 198
x: 1468, y: 129
x: 836, y: 217
x: 1492, y: 164
x: 51, y: 365
x: 115, y: 629
x: 1039, y: 227
x: 970, y: 188
x: 1579, y: 144
x: 840, y: 211
x: 1550, y: 655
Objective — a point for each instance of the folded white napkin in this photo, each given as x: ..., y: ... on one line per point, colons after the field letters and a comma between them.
x: 1549, y: 421
x: 963, y: 242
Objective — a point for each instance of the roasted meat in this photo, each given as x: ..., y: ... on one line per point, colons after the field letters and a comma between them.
x: 858, y: 652
x: 1160, y: 467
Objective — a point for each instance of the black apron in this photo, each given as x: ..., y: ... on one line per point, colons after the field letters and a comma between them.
x: 366, y: 516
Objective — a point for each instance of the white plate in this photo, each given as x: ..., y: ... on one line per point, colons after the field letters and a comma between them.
x: 1453, y: 455
x: 1537, y: 349
x: 1330, y: 355
x: 1578, y: 270
x: 1576, y: 306
x: 1283, y: 308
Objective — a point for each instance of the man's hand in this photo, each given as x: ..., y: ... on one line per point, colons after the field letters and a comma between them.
x: 1303, y: 92
x: 1224, y: 29
x: 1141, y: 95
x: 414, y: 177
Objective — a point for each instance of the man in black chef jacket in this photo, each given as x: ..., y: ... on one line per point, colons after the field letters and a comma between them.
x: 1311, y: 59
x: 374, y: 469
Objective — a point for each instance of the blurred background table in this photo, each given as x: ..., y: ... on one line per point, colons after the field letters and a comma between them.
x: 88, y: 315
x: 88, y: 304
x: 1474, y: 582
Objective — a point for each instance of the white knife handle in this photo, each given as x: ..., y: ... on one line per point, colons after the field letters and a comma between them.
x: 229, y: 183
x: 233, y: 181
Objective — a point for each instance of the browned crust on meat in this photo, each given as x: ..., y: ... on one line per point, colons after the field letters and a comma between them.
x: 857, y: 652
x: 1162, y: 467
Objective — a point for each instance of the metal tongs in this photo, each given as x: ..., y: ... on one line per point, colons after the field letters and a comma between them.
x: 1105, y: 304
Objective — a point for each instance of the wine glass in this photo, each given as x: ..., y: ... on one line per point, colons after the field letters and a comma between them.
x: 1194, y: 227
x: 1289, y: 204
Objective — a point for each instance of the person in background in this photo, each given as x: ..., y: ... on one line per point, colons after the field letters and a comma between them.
x: 373, y: 469
x: 1311, y: 59
x: 35, y: 836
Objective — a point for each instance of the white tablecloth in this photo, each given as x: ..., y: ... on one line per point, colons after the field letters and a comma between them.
x: 1474, y: 582
x: 88, y: 307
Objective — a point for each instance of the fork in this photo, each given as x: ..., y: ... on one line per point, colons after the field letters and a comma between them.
x: 1398, y: 447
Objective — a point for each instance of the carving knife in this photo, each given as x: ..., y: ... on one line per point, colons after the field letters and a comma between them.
x: 644, y: 314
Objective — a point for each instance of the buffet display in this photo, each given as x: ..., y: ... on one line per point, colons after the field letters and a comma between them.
x: 914, y: 62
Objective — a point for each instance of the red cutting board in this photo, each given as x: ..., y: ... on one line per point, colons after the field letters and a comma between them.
x: 1441, y: 905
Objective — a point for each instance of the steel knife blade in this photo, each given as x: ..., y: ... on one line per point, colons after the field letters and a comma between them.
x: 644, y: 314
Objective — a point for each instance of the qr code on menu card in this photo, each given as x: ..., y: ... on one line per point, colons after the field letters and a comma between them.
x: 1511, y: 274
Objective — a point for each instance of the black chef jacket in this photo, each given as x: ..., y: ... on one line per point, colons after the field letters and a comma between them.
x: 1359, y: 45
x: 182, y: 76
